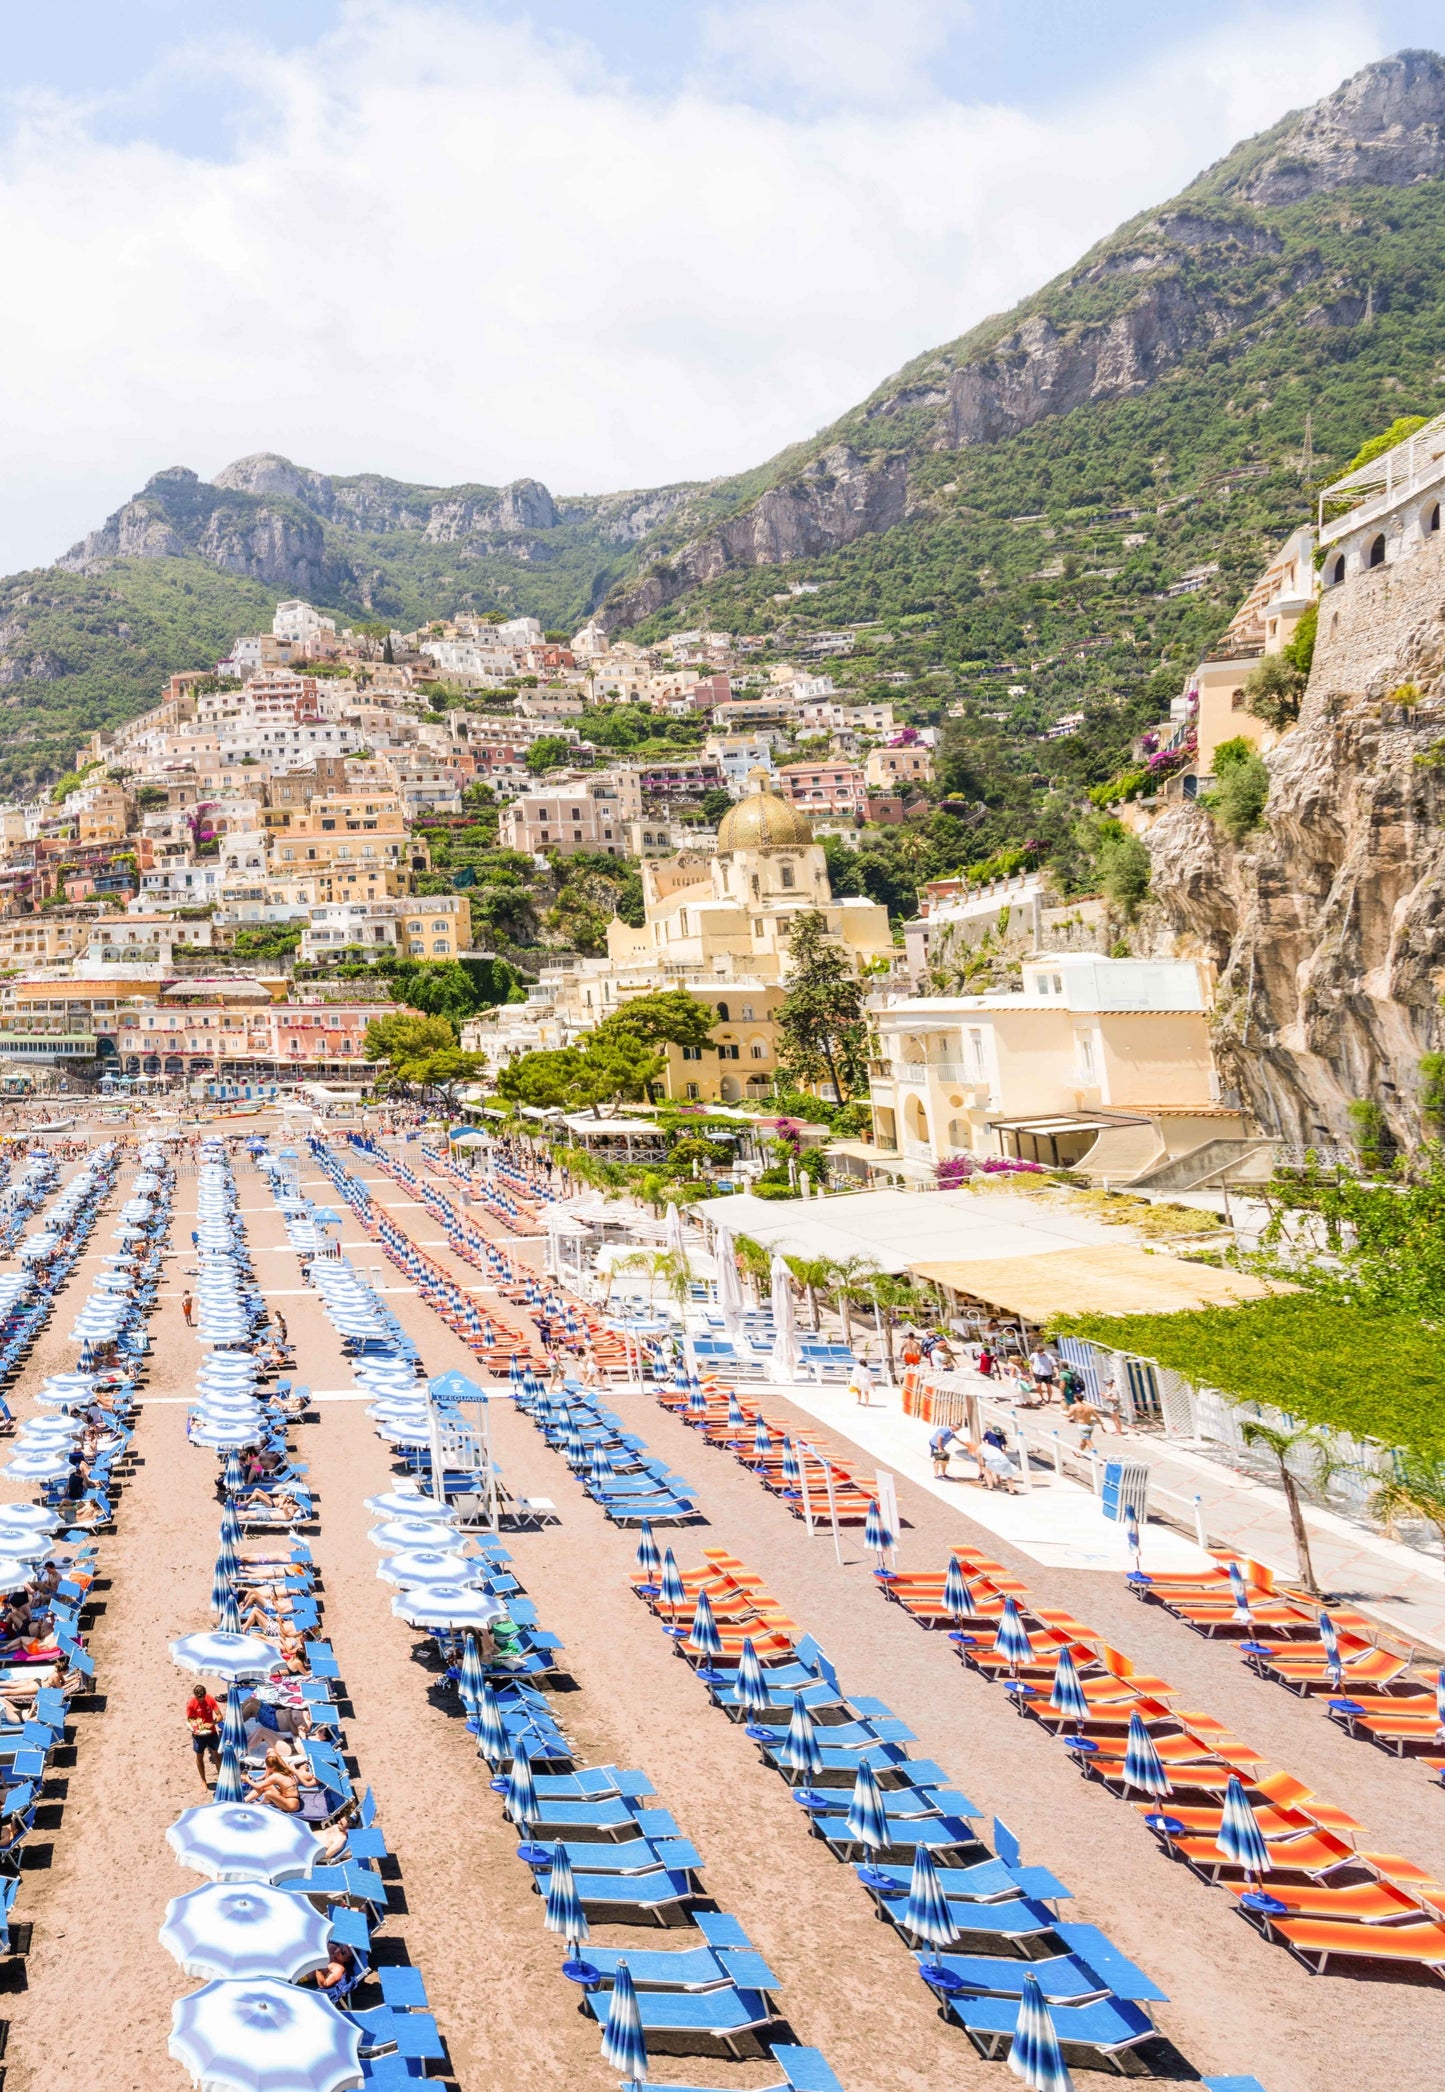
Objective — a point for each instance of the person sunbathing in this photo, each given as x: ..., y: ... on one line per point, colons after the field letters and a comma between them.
x: 17, y: 1625
x: 338, y: 1969
x: 275, y: 1503
x: 280, y: 1786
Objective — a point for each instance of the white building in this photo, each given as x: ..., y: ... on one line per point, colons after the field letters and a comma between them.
x: 299, y: 623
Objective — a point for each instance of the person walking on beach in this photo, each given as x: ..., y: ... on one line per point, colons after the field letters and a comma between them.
x: 940, y: 1445
x: 203, y: 1719
x: 187, y: 1308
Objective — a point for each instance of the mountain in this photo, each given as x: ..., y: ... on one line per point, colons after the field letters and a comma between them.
x: 1006, y: 516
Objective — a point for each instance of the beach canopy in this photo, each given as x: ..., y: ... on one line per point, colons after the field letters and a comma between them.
x: 232, y: 1930
x: 243, y: 1841
x: 264, y: 2036
x: 228, y: 1656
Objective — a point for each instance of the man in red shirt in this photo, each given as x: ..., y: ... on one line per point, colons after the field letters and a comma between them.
x: 203, y: 1719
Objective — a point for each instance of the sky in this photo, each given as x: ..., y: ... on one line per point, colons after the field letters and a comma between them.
x: 605, y: 243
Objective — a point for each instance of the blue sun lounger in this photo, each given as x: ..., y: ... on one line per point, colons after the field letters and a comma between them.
x: 601, y: 1821
x: 941, y: 1834
x: 728, y: 1959
x: 1108, y: 2027
x: 1072, y: 1977
x: 635, y: 1856
x: 717, y: 2015
x: 989, y: 1881
x: 804, y: 2070
x: 654, y: 1894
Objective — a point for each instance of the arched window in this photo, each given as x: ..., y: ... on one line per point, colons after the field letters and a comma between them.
x: 1375, y: 557
x: 722, y: 1010
x: 1335, y: 571
x: 1430, y: 521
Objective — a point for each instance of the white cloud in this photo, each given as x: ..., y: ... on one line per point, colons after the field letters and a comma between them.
x: 868, y: 52
x: 450, y: 250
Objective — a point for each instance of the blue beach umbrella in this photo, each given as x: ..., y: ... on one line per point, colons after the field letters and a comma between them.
x: 1067, y: 1698
x: 624, y: 2045
x: 752, y: 1689
x: 956, y: 1601
x: 491, y: 1729
x: 228, y: 1613
x: 564, y: 1905
x: 792, y: 1473
x: 1143, y: 1767
x: 1131, y: 1532
x: 220, y: 1589
x: 1035, y: 2055
x: 1012, y: 1641
x: 233, y: 1723
x: 647, y: 1559
x: 798, y: 1751
x: 1242, y: 1612
x: 601, y: 1472
x: 704, y: 1636
x: 472, y: 1683
x: 925, y: 1914
x: 229, y: 1785
x: 1331, y: 1643
x: 696, y: 1399
x: 736, y: 1420
x: 671, y: 1591
x: 876, y: 1536
x: 521, y: 1795
x: 762, y: 1440
x: 1240, y: 1838
x: 867, y: 1820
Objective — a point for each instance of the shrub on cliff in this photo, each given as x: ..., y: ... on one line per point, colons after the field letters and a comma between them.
x: 1241, y: 787
x: 1273, y: 689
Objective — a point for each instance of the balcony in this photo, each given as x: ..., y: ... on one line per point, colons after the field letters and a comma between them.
x: 922, y: 1072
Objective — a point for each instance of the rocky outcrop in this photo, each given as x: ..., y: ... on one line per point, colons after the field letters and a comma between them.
x: 835, y: 499
x: 371, y: 503
x: 1386, y: 125
x: 1327, y: 924
x: 271, y: 541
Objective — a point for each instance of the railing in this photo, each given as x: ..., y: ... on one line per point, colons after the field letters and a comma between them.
x: 920, y: 1071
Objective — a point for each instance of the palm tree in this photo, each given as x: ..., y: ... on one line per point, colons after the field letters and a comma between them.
x: 892, y: 1297
x: 657, y: 1263
x: 756, y: 1261
x: 813, y: 1274
x: 1415, y: 1490
x: 1280, y: 1444
x: 851, y: 1285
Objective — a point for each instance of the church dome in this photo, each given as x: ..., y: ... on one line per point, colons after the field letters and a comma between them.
x: 764, y: 820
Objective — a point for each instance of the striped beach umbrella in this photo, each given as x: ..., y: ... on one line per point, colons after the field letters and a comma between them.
x: 1237, y: 1584
x: 228, y: 1559
x: 1440, y: 1702
x: 521, y: 1795
x: 876, y: 1536
x: 228, y: 1613
x: 491, y: 1729
x: 671, y: 1591
x: 624, y: 2045
x: 792, y: 1473
x: 752, y: 1689
x: 679, y: 1376
x: 798, y: 1751
x: 1240, y: 1838
x: 601, y: 1468
x: 696, y: 1399
x: 233, y: 1721
x: 736, y: 1420
x: 1143, y: 1767
x: 925, y: 1914
x: 229, y: 1785
x: 1067, y: 1697
x: 1034, y: 2054
x: 575, y: 1445
x: 647, y: 1558
x: 1012, y: 1640
x: 1131, y: 1532
x: 514, y: 1373
x: 762, y: 1440
x: 233, y: 1474
x: 472, y: 1682
x: 867, y: 1820
x: 704, y: 1636
x: 1331, y: 1644
x: 564, y: 1906
x: 220, y: 1589
x: 956, y: 1601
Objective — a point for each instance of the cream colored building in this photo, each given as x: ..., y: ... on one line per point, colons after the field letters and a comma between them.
x: 1102, y: 1065
x: 436, y: 926
x: 1264, y: 624
x: 571, y: 813
x: 885, y: 768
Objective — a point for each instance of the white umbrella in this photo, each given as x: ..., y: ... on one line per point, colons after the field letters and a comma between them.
x: 221, y: 1655
x: 729, y: 1286
x: 785, y: 1341
x: 676, y: 1236
x: 14, y: 1576
x: 262, y: 2036
x: 426, y: 1566
x: 224, y: 1434
x: 446, y: 1605
x: 243, y: 1841
x: 36, y: 1467
x: 22, y: 1543
x: 401, y: 1503
x: 35, y: 1516
x: 241, y: 1929
x: 406, y: 1533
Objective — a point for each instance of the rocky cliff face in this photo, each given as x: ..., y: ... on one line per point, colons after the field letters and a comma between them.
x: 1327, y: 924
x: 836, y: 498
x: 1385, y: 125
x: 271, y: 541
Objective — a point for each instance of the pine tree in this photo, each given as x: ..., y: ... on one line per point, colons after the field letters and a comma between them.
x: 821, y: 1032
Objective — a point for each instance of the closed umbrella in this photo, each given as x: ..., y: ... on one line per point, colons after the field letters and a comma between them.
x: 867, y: 1818
x: 762, y: 1440
x: 1034, y: 2054
x: 521, y: 1795
x: 798, y: 1751
x: 232, y: 1930
x: 1131, y: 1534
x: 671, y: 1589
x: 1143, y: 1767
x: 624, y: 2045
x: 956, y: 1602
x: 876, y: 1536
x: 264, y: 2036
x: 473, y: 1678
x: 676, y: 1237
x: 752, y: 1689
x: 704, y: 1636
x: 1012, y: 1640
x: 785, y: 1342
x: 729, y: 1286
x: 647, y: 1558
x: 736, y: 1420
x: 564, y: 1906
x: 601, y: 1474
x: 1240, y: 1838
x: 792, y: 1473
x: 925, y: 1914
x: 491, y: 1729
x: 242, y: 1841
x: 1237, y: 1584
x: 228, y: 1612
x: 1067, y: 1697
x: 1331, y: 1643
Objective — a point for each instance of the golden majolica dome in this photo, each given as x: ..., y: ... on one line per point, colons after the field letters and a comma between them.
x: 764, y: 820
